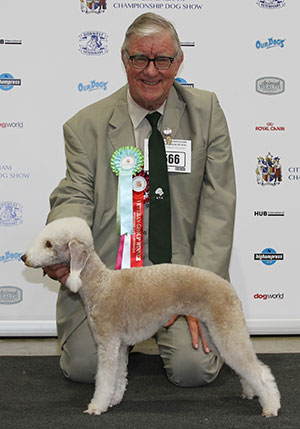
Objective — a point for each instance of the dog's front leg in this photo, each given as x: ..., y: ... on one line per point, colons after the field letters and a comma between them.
x: 121, y: 379
x: 106, y: 376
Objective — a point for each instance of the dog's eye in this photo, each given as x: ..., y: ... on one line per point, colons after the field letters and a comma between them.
x: 48, y: 244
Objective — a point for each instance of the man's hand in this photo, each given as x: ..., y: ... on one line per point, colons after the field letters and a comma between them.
x: 195, y: 330
x: 58, y: 272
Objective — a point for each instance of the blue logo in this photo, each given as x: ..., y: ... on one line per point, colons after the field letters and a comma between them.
x: 10, y: 295
x: 268, y: 256
x: 10, y: 257
x: 92, y: 86
x: 183, y: 82
x: 10, y: 213
x: 93, y: 43
x: 270, y: 43
x: 271, y: 4
x: 7, y: 81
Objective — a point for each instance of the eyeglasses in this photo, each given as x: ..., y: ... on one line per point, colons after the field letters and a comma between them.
x: 141, y: 61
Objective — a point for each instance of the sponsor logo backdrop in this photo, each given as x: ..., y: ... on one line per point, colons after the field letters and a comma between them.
x: 58, y: 58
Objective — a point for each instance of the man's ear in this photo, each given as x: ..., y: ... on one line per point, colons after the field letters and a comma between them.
x: 79, y: 256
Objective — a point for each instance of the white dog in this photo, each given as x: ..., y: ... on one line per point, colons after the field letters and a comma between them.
x: 128, y: 306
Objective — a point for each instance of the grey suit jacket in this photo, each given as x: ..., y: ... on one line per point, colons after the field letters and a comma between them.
x: 202, y: 202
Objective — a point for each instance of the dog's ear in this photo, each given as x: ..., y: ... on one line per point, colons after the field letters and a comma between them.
x: 79, y: 256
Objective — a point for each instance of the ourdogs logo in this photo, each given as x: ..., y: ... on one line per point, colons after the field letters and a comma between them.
x: 93, y: 6
x: 270, y: 43
x: 271, y: 4
x: 264, y: 213
x: 268, y: 170
x: 10, y: 295
x: 11, y: 257
x: 10, y: 213
x: 14, y: 125
x: 268, y: 256
x: 265, y: 296
x: 92, y: 86
x: 8, y: 172
x: 183, y: 82
x: 270, y: 126
x: 93, y: 43
x: 7, y: 81
x: 270, y: 85
x: 187, y: 44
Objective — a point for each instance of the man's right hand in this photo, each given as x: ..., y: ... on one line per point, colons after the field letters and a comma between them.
x: 58, y: 272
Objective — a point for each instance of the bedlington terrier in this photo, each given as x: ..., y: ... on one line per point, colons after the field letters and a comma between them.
x: 128, y: 306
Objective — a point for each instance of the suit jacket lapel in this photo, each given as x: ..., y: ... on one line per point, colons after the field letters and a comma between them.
x: 120, y: 131
x: 173, y: 112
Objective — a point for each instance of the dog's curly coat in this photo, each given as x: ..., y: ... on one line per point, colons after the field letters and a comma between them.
x: 128, y: 306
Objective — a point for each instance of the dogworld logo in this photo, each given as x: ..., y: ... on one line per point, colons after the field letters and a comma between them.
x: 265, y: 296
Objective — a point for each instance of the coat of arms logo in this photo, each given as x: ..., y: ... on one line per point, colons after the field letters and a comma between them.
x: 93, y: 6
x: 268, y: 170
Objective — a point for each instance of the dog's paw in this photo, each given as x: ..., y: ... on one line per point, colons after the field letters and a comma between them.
x: 269, y: 413
x: 94, y: 410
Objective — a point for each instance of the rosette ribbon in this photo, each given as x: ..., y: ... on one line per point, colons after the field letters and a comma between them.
x: 126, y: 162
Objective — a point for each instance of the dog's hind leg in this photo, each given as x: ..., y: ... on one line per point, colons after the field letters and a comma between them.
x: 106, y: 376
x: 256, y: 378
x: 121, y: 379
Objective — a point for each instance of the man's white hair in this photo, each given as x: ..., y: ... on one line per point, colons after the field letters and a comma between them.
x: 148, y: 24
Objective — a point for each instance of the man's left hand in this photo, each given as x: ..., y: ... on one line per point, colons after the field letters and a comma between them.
x: 195, y: 330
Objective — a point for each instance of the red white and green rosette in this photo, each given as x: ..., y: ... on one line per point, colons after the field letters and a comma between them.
x: 126, y: 162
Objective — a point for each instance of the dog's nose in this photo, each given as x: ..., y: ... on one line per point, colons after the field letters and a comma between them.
x: 23, y: 257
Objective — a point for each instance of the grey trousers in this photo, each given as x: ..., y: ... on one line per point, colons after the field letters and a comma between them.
x: 184, y: 366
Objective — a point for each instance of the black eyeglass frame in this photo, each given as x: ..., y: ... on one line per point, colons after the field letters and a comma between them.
x: 132, y: 57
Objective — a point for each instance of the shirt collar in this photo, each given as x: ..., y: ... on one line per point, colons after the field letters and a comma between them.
x: 137, y: 113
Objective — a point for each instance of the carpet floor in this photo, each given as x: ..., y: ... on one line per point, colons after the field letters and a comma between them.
x: 34, y: 394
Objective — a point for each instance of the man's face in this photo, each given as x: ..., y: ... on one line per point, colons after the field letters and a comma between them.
x: 150, y: 87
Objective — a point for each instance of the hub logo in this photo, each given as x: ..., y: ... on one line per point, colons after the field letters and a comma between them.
x: 10, y: 295
x: 270, y: 85
x: 92, y: 86
x: 10, y: 257
x: 7, y: 82
x: 271, y: 4
x: 264, y: 213
x: 93, y: 6
x: 268, y: 256
x: 266, y: 296
x: 10, y: 213
x: 93, y: 43
x: 268, y: 170
x: 270, y: 43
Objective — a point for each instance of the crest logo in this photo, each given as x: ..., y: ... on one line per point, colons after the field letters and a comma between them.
x: 93, y: 43
x: 10, y: 295
x: 268, y: 170
x: 271, y: 4
x: 10, y: 213
x: 270, y: 85
x: 93, y: 6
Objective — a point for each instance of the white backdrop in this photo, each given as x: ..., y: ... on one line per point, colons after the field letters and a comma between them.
x: 231, y: 47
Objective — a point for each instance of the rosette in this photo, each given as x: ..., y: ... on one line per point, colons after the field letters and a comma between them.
x: 125, y: 162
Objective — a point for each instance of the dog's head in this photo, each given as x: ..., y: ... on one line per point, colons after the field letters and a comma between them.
x: 63, y: 241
